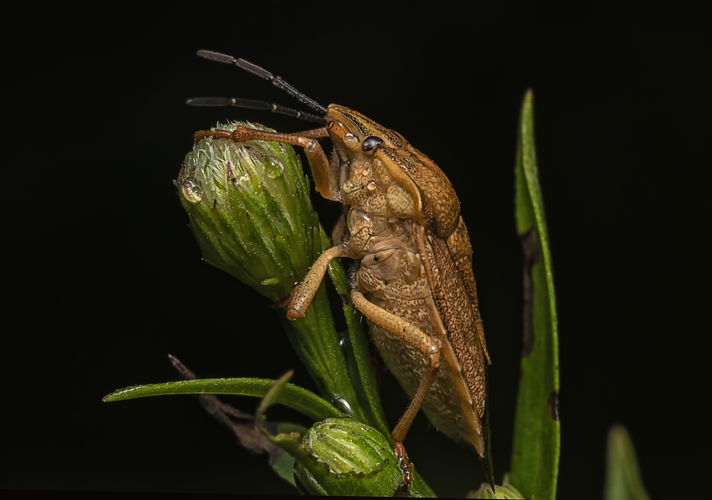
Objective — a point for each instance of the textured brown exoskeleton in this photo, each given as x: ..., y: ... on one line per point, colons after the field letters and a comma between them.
x: 413, y: 279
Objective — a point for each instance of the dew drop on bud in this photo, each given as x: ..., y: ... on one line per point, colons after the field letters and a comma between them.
x: 275, y: 167
x: 192, y: 191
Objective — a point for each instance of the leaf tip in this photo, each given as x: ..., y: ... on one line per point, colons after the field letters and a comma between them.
x: 528, y: 99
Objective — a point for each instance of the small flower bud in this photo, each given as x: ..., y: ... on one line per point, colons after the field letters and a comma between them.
x: 352, y: 459
x: 249, y: 210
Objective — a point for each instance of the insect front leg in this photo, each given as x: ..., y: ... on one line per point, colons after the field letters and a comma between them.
x: 309, y: 286
x: 326, y: 175
x: 430, y: 349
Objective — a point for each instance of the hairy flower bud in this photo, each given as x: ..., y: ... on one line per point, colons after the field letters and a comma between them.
x: 250, y: 210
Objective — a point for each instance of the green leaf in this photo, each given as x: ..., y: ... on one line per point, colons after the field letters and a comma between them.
x: 293, y: 396
x: 535, y: 456
x: 284, y: 466
x: 622, y: 474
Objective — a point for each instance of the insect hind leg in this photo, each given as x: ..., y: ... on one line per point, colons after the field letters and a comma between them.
x: 428, y: 346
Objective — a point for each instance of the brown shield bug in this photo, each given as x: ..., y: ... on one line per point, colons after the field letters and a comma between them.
x: 413, y: 279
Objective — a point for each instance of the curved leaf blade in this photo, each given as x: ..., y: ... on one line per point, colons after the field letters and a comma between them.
x: 535, y: 454
x: 295, y: 397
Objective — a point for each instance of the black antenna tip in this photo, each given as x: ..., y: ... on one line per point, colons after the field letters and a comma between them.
x: 209, y: 101
x: 216, y: 56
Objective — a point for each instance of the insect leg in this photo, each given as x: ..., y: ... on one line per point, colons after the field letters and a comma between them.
x: 309, y: 286
x: 326, y: 181
x: 428, y: 346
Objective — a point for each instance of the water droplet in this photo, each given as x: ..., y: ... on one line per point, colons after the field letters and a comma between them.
x: 274, y: 167
x: 345, y: 345
x: 192, y: 191
x: 342, y: 405
x: 241, y: 167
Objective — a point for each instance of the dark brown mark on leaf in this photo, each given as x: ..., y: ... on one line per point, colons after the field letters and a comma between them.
x: 532, y: 255
x: 553, y: 405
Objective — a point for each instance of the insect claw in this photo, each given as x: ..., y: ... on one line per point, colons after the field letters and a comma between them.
x: 405, y: 466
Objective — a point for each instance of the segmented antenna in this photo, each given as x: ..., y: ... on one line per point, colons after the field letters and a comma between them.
x: 253, y: 104
x: 262, y: 73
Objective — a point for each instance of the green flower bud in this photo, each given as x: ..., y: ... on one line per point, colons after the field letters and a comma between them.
x: 250, y: 211
x: 348, y: 458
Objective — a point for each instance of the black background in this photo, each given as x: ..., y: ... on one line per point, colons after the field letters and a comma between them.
x: 104, y: 279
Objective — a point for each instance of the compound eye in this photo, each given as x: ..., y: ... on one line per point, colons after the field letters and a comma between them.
x: 371, y: 142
